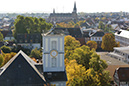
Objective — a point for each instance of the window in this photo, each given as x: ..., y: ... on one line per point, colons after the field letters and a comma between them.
x: 53, y: 62
x: 54, y: 45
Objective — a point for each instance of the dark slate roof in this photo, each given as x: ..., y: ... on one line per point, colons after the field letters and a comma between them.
x: 123, y: 73
x: 61, y: 15
x: 21, y: 70
x: 55, y: 76
x: 98, y: 34
x: 75, y: 32
x: 28, y: 38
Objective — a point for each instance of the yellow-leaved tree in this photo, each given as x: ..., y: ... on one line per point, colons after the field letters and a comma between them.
x: 108, y: 42
x: 70, y: 44
x: 92, y: 44
x: 75, y: 74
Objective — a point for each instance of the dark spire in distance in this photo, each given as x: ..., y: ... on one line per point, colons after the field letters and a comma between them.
x: 53, y: 10
x: 75, y: 9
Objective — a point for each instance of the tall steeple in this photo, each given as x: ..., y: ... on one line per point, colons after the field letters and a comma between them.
x: 75, y: 9
x: 53, y: 10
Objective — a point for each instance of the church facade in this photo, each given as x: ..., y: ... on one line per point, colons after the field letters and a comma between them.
x: 53, y: 59
x: 59, y: 17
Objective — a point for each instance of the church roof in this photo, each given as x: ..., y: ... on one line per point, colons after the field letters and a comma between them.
x: 21, y: 70
x: 61, y: 15
x: 75, y: 32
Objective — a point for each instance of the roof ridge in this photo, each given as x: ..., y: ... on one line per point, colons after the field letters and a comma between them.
x: 29, y: 60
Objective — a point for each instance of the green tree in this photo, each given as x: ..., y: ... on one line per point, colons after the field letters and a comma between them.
x: 82, y: 55
x: 101, y: 25
x: 30, y: 25
x: 70, y: 44
x: 1, y: 36
x: 108, y: 42
x: 6, y: 49
x: 99, y: 67
x: 92, y: 44
x: 36, y: 53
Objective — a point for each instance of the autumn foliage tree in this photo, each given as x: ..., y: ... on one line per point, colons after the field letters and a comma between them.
x: 6, y: 49
x: 1, y: 36
x: 92, y: 44
x: 94, y: 75
x: 70, y: 45
x: 6, y: 57
x: 82, y: 55
x: 35, y: 53
x: 108, y: 42
x: 75, y: 74
x: 1, y: 60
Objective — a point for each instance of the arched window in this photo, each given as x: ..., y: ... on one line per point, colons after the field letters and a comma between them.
x: 54, y: 45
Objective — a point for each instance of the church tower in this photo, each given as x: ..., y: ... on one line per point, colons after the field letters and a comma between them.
x: 53, y: 53
x: 74, y: 9
x: 53, y: 11
x: 53, y: 59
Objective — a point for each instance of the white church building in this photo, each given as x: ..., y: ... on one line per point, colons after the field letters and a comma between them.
x: 53, y: 59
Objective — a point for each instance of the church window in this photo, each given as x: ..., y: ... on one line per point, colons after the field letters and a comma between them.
x: 54, y: 45
x: 53, y: 62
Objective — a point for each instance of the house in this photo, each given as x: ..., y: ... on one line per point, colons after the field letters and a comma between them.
x: 93, y: 35
x: 122, y: 36
x: 53, y: 58
x: 97, y: 37
x: 112, y: 63
x: 120, y: 53
x: 9, y: 36
x: 21, y: 70
x: 29, y: 41
x: 121, y: 76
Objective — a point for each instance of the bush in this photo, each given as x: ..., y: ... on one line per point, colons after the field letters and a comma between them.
x: 5, y: 49
x: 36, y: 53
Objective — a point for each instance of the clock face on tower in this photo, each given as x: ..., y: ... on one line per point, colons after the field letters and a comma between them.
x: 53, y: 53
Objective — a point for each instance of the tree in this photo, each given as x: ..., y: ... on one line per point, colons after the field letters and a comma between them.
x: 30, y: 25
x: 92, y: 44
x: 108, y: 42
x: 1, y: 36
x: 36, y: 53
x: 82, y: 55
x: 70, y: 44
x: 7, y: 57
x: 1, y: 60
x: 6, y: 49
x: 101, y: 25
x: 108, y: 28
x: 99, y: 66
x: 75, y: 74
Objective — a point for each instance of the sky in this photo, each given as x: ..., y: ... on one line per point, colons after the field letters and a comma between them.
x: 63, y: 6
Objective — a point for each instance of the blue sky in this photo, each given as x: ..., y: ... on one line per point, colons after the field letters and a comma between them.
x: 46, y: 6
